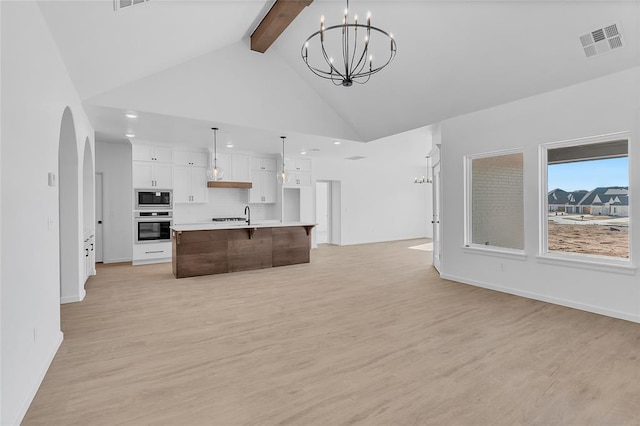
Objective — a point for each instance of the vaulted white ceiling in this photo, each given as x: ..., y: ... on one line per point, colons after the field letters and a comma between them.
x: 191, y: 60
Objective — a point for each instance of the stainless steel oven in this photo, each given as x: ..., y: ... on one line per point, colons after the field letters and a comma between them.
x: 153, y: 227
x: 154, y: 199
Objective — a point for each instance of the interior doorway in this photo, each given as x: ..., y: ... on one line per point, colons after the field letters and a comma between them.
x: 99, y: 207
x: 328, y: 228
x: 323, y: 209
x: 69, y: 211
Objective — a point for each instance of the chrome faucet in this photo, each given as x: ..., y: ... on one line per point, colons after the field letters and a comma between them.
x: 247, y: 211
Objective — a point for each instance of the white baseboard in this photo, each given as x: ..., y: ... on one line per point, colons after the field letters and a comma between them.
x: 39, y: 379
x: 117, y: 260
x: 73, y: 299
x: 549, y: 299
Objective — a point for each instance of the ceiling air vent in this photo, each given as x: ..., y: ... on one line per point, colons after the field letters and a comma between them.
x: 121, y: 4
x: 355, y: 157
x: 601, y: 40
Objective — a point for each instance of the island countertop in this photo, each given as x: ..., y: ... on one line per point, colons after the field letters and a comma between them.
x: 212, y: 226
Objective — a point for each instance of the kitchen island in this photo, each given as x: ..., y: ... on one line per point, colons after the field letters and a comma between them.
x: 209, y: 248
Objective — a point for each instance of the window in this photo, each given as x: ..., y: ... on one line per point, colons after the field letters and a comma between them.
x: 586, y: 199
x: 495, y: 201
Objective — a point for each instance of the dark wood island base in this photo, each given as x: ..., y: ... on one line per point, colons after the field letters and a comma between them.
x: 217, y: 251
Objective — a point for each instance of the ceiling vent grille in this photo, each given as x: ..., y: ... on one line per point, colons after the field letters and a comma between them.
x: 122, y: 4
x: 355, y: 157
x: 601, y: 41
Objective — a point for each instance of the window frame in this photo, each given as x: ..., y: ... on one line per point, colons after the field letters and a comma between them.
x: 469, y: 246
x: 579, y: 260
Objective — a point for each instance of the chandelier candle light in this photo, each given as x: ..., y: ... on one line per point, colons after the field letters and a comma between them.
x: 215, y: 173
x: 282, y: 176
x: 357, y: 54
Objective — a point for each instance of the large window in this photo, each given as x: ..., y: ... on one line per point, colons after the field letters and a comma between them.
x: 587, y: 198
x: 495, y: 202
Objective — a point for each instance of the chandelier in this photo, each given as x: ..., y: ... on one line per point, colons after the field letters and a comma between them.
x: 215, y: 173
x: 361, y: 44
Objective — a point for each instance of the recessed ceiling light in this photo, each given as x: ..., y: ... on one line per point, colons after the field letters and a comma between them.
x: 337, y: 142
x: 303, y: 152
x: 130, y: 135
x: 229, y: 144
x: 131, y: 115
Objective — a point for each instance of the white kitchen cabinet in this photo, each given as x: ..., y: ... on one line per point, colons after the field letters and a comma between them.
x: 190, y: 184
x: 152, y: 175
x: 141, y: 152
x: 264, y: 187
x: 298, y: 179
x: 190, y: 158
x: 263, y: 163
x: 240, y: 168
x: 151, y: 253
x: 300, y: 171
x: 297, y: 165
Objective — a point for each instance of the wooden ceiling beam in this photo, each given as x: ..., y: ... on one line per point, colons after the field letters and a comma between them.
x: 281, y: 14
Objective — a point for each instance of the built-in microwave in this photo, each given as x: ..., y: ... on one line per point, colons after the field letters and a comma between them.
x: 157, y: 200
x: 153, y: 227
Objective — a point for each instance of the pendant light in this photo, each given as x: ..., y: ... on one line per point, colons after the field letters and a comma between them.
x: 282, y: 176
x: 215, y: 173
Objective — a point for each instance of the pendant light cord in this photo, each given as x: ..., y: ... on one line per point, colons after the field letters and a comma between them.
x: 215, y: 147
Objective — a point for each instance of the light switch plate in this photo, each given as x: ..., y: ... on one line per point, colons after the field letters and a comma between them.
x: 52, y: 179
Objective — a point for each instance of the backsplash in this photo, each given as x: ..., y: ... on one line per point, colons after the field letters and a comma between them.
x: 228, y: 202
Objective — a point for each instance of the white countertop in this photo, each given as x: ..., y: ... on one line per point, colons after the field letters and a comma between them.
x: 209, y: 226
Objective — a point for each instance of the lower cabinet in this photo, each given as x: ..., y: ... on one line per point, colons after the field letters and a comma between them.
x: 209, y: 252
x: 151, y: 253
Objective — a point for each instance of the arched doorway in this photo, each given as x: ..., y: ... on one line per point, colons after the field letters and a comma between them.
x: 88, y: 207
x: 69, y: 223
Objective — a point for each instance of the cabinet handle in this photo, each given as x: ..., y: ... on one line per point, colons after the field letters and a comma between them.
x: 154, y: 251
x: 91, y: 246
x: 86, y: 255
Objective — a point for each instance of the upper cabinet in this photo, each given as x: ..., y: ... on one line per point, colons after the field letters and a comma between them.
x: 263, y: 163
x: 190, y: 158
x: 263, y: 177
x: 299, y: 171
x: 158, y: 154
x: 149, y: 175
x: 190, y: 176
x: 297, y: 164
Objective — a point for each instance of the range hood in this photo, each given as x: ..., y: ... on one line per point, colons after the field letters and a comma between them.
x: 228, y: 184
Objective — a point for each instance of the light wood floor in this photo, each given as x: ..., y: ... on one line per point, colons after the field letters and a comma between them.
x: 364, y: 334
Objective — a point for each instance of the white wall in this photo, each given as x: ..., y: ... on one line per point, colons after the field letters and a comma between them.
x: 35, y: 91
x: 379, y: 200
x: 606, y: 105
x: 113, y: 160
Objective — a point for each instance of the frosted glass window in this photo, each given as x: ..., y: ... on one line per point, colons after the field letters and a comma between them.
x: 497, y: 201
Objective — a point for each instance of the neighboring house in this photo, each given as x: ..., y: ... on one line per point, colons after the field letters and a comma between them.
x: 563, y: 201
x: 609, y: 200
